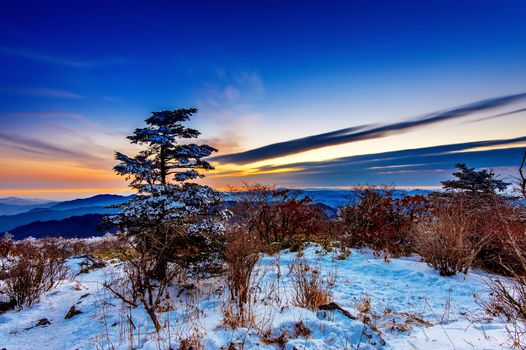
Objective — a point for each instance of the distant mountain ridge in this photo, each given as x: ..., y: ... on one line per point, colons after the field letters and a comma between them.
x: 14, y: 205
x: 81, y: 217
x: 58, y: 211
x: 83, y: 226
x: 98, y: 200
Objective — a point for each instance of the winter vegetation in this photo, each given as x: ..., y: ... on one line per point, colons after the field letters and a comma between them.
x: 273, y: 269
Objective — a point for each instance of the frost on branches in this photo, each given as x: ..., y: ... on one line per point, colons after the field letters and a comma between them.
x: 161, y: 174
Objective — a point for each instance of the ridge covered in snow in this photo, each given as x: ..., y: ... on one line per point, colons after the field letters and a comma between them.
x: 399, y: 304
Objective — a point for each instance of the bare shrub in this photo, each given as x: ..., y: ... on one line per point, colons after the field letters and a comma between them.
x: 310, y: 289
x: 504, y: 222
x: 448, y: 240
x: 508, y: 296
x: 31, y: 269
x: 276, y: 215
x: 241, y: 256
x: 139, y: 284
x: 377, y: 220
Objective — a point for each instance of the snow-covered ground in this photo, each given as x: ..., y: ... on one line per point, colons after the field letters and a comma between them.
x: 412, y: 307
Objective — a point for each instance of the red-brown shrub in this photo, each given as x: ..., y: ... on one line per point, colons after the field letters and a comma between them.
x: 278, y: 214
x: 379, y: 221
x: 448, y: 239
x: 32, y: 269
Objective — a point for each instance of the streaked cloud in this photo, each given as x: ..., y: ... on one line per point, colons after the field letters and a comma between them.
x: 33, y: 146
x: 365, y: 132
x: 415, y: 167
x: 57, y: 60
x: 42, y: 92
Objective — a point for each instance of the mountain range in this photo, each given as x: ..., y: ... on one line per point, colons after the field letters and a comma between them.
x: 82, y: 217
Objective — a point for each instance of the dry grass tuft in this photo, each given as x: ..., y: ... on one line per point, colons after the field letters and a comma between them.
x: 310, y: 289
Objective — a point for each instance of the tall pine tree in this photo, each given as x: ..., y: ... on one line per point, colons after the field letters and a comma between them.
x: 161, y: 174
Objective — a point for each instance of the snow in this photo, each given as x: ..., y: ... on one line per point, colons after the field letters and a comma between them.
x: 429, y: 311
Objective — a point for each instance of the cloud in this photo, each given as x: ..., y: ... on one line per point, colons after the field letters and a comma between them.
x: 363, y: 132
x: 56, y: 60
x: 32, y: 146
x: 43, y: 92
x: 421, y: 166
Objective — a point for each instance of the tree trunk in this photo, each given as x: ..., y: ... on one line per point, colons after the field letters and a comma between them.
x: 160, y: 269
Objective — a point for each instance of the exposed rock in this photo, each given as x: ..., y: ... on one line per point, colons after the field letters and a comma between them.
x: 40, y: 323
x: 333, y: 306
x: 90, y: 262
x: 72, y: 312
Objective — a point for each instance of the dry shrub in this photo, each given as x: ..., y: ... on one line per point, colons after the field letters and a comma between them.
x: 377, y: 220
x: 31, y: 269
x: 310, y: 289
x: 241, y: 256
x: 192, y: 343
x: 504, y: 223
x: 140, y: 283
x: 508, y: 295
x: 448, y: 240
x: 275, y: 215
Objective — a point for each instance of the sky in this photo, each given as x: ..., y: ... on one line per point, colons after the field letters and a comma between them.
x: 295, y: 93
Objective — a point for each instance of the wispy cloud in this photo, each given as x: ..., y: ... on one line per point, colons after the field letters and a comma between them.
x: 42, y: 92
x: 33, y: 146
x: 404, y: 167
x: 364, y: 132
x: 57, y: 60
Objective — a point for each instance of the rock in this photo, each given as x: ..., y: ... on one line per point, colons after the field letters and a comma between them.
x: 40, y: 323
x: 333, y: 306
x: 90, y: 262
x: 72, y: 312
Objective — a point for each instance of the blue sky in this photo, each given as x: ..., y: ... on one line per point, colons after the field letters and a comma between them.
x: 77, y: 76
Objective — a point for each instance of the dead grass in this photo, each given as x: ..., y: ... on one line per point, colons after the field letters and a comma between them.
x: 310, y: 288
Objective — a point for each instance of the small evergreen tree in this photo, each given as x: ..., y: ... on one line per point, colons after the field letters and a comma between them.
x: 161, y: 175
x: 470, y: 181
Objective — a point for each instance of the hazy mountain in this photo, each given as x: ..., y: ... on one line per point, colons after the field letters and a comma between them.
x: 72, y: 227
x: 14, y: 205
x: 9, y: 222
x: 101, y: 200
x: 23, y: 201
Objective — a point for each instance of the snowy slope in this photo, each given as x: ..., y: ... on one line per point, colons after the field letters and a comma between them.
x: 412, y: 308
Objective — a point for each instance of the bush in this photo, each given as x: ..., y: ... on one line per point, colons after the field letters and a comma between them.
x: 448, y: 239
x: 32, y: 269
x: 241, y: 256
x: 508, y: 296
x: 275, y: 215
x: 381, y: 222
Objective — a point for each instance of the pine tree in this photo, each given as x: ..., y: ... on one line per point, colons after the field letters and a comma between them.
x: 161, y: 175
x: 470, y: 181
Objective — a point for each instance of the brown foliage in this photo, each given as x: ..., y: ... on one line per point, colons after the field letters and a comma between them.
x: 508, y: 296
x: 277, y: 214
x: 31, y: 269
x: 379, y: 221
x: 449, y: 239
